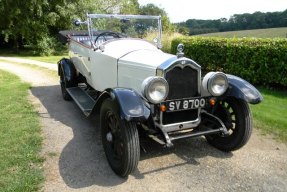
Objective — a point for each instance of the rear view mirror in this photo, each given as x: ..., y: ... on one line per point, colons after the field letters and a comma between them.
x: 78, y: 22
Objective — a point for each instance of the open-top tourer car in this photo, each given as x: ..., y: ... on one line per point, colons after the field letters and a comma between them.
x: 133, y: 85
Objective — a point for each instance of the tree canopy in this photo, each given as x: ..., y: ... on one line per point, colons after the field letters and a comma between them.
x: 246, y: 21
x: 35, y: 23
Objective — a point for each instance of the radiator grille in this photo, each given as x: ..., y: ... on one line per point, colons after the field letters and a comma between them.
x: 183, y: 83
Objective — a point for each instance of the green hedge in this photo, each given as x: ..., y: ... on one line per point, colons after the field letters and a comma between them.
x: 260, y: 61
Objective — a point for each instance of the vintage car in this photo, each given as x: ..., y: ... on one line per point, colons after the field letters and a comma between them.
x: 135, y: 87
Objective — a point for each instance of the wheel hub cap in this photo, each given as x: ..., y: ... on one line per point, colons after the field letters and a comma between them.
x: 109, y: 137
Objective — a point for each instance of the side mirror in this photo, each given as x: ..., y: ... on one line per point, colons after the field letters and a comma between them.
x: 77, y: 22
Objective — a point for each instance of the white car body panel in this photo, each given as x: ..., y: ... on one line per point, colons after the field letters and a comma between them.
x: 119, y: 47
x: 103, y: 71
x: 138, y: 65
x: 80, y: 56
x: 133, y: 59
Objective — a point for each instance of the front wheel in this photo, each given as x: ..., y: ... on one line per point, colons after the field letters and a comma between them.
x: 237, y: 118
x: 120, y: 140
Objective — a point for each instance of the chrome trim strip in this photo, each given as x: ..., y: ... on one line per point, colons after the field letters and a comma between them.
x: 179, y: 62
x: 123, y: 16
x: 164, y: 66
x: 160, y: 70
x: 159, y: 44
x: 177, y: 126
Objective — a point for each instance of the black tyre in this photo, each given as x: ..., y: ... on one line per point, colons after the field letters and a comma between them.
x: 237, y: 118
x: 120, y: 140
x: 64, y: 85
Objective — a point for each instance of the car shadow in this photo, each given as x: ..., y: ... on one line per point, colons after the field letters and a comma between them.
x: 189, y: 150
x: 82, y: 161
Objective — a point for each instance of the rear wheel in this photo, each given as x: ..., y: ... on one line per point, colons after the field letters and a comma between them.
x: 120, y: 140
x: 237, y: 118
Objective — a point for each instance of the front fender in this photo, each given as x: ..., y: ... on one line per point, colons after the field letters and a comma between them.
x: 132, y: 107
x: 241, y: 89
x: 68, y: 68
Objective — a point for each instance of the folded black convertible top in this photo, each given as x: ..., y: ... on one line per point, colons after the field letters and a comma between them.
x: 65, y: 35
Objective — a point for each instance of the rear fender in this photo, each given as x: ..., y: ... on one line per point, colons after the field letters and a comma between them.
x: 132, y: 107
x: 241, y: 89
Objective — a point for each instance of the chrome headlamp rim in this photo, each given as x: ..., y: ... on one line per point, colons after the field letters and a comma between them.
x: 211, y: 83
x: 148, y: 84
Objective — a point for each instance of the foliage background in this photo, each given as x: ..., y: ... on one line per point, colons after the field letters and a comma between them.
x: 35, y: 24
x: 246, y: 21
x: 260, y: 61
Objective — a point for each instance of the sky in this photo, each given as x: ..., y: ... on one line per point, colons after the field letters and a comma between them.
x: 182, y: 10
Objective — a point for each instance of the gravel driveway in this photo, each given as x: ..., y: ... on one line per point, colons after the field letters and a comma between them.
x: 75, y: 160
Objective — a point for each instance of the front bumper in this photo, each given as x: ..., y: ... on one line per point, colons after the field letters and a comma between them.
x: 177, y: 126
x: 170, y: 136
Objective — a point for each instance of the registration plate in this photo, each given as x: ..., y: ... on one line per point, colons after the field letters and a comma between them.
x: 185, y: 104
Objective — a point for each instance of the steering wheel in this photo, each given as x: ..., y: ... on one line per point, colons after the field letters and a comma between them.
x: 107, y: 33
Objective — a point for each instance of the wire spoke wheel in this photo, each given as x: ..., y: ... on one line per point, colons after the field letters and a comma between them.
x: 236, y: 116
x: 120, y: 140
x: 115, y: 142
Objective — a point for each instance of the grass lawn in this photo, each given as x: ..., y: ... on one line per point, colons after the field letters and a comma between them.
x: 271, y: 115
x: 20, y: 137
x: 29, y: 55
x: 259, y: 33
x: 47, y: 59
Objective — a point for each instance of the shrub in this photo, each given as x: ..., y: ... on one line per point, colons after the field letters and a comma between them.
x: 260, y: 61
x: 47, y: 45
x: 167, y: 38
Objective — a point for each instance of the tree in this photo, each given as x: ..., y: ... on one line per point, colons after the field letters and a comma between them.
x: 151, y: 9
x: 257, y: 20
x: 37, y: 23
x: 20, y: 19
x: 130, y: 7
x: 183, y: 30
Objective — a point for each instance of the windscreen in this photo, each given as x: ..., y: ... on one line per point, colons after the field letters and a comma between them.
x: 147, y: 29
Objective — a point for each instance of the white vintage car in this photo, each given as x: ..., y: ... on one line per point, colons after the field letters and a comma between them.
x: 134, y: 85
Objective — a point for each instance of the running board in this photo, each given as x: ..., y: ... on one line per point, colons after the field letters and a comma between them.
x: 82, y: 99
